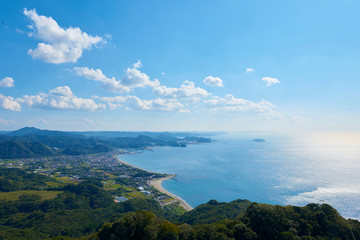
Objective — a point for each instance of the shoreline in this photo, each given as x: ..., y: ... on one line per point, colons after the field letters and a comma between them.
x: 133, y: 166
x: 157, y: 184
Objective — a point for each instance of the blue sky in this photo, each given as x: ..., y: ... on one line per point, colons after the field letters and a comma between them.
x: 230, y: 65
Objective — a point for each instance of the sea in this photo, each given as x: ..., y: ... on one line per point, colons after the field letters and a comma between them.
x: 284, y: 170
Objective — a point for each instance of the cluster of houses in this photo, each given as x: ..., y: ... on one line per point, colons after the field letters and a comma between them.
x: 104, y: 166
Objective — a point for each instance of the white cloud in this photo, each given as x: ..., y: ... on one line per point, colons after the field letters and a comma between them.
x: 60, y: 98
x: 138, y: 64
x: 91, y: 74
x: 6, y: 122
x: 60, y: 45
x: 186, y: 91
x: 112, y: 102
x: 110, y: 84
x: 108, y: 36
x: 230, y: 103
x: 250, y: 70
x: 89, y: 121
x: 133, y: 78
x: 7, y: 82
x: 42, y: 120
x: 8, y: 103
x: 264, y: 109
x: 213, y: 81
x: 133, y: 102
x: 270, y: 81
x: 36, y: 121
x: 158, y: 104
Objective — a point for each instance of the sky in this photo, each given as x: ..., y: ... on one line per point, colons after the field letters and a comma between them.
x: 146, y: 65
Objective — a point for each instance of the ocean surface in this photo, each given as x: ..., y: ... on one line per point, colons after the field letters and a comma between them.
x: 296, y: 170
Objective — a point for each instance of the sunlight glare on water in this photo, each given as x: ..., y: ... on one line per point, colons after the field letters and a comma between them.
x: 296, y: 170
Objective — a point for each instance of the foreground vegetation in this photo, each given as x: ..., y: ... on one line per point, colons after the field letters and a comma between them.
x: 260, y: 221
x: 34, y: 206
x: 71, y: 210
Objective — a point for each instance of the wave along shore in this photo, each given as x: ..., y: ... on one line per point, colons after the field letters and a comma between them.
x: 157, y: 183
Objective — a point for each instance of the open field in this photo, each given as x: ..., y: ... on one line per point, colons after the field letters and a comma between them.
x: 12, y: 196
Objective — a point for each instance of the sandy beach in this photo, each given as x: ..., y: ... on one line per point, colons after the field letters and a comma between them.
x: 125, y: 163
x: 157, y: 183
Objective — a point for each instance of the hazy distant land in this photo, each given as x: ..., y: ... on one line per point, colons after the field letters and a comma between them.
x: 32, y: 142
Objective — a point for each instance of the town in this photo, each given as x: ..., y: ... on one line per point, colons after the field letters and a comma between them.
x: 122, y: 180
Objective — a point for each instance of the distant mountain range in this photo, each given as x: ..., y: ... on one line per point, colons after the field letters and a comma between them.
x: 33, y: 142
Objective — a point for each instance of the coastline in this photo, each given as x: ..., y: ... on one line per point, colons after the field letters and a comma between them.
x: 128, y: 164
x: 157, y: 183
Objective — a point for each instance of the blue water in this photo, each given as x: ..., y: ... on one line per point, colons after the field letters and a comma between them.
x: 283, y: 170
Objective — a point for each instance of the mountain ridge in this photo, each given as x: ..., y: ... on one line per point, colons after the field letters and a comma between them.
x: 32, y: 142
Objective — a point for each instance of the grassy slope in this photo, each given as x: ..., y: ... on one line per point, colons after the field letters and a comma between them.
x: 12, y: 196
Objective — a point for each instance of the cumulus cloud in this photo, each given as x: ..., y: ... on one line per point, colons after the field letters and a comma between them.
x: 133, y: 102
x: 270, y: 81
x: 60, y: 98
x: 230, y: 103
x: 250, y: 70
x: 112, y: 102
x: 263, y: 109
x: 60, y: 45
x: 213, y: 81
x: 133, y: 78
x: 110, y: 84
x: 186, y: 91
x: 7, y: 82
x: 9, y: 103
x: 158, y: 104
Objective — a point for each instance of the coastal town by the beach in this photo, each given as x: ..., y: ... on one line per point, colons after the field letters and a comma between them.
x: 124, y: 180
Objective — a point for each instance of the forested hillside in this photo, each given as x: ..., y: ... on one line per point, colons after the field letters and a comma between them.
x: 34, y: 206
x: 33, y: 142
x: 260, y: 221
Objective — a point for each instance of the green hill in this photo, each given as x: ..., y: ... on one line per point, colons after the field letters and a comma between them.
x: 32, y: 142
x: 214, y: 211
x: 32, y: 208
x: 23, y: 149
x: 259, y: 222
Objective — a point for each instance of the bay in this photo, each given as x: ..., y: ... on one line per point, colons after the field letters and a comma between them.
x: 296, y: 170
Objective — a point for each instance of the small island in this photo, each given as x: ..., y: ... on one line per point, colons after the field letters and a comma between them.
x: 258, y: 140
